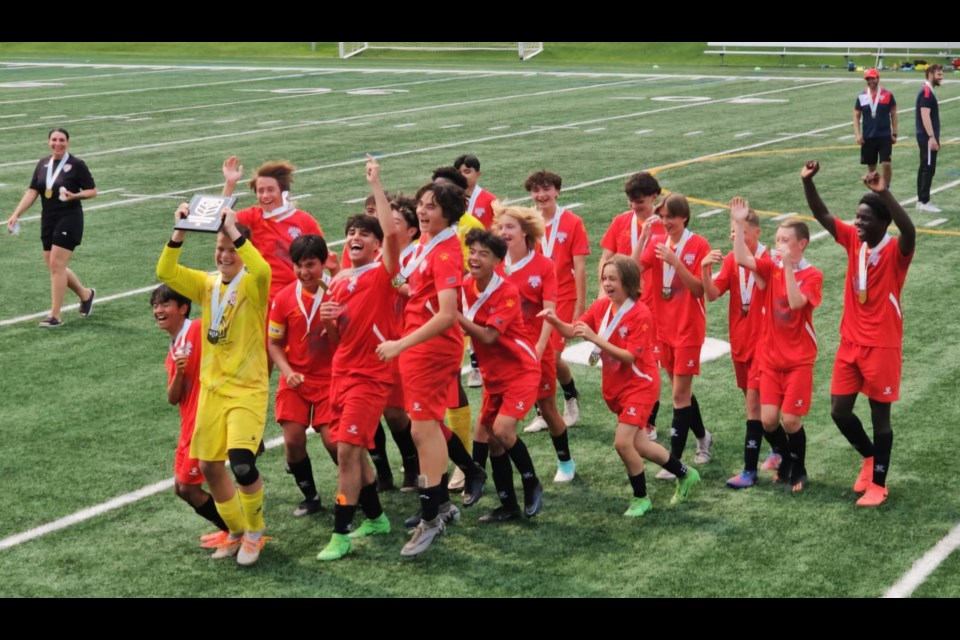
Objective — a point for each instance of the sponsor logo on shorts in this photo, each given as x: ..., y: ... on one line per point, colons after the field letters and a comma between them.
x: 194, y: 471
x: 520, y: 406
x: 887, y: 391
x: 416, y: 406
x: 632, y: 411
x: 690, y: 364
x: 799, y: 403
x: 352, y: 429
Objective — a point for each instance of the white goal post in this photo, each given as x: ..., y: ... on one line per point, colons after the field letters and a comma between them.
x: 525, y: 50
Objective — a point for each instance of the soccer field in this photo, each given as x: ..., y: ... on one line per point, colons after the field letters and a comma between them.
x: 85, y: 419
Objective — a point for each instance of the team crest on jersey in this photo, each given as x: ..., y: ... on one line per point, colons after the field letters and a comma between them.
x: 67, y: 167
x: 294, y: 232
x: 688, y: 259
x: 534, y: 282
x: 479, y: 211
x: 423, y: 266
x: 187, y: 349
x: 561, y: 236
x: 623, y: 332
x: 232, y: 300
x: 444, y: 256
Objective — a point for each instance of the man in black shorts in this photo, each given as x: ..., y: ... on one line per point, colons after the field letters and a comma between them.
x: 879, y: 133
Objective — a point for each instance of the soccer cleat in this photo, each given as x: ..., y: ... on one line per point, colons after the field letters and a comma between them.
x: 250, y: 549
x: 571, y: 412
x: 501, y: 514
x: 380, y: 524
x: 307, y: 507
x: 684, y: 485
x: 566, y: 471
x: 743, y: 480
x: 213, y: 540
x: 539, y: 424
x: 651, y: 432
x: 703, y: 454
x: 865, y: 479
x: 473, y: 490
x: 385, y: 483
x: 638, y: 507
x: 799, y: 484
x: 409, y: 480
x: 457, y: 480
x: 927, y: 207
x: 423, y: 536
x: 86, y: 306
x: 533, y: 500
x: 50, y: 321
x: 474, y: 379
x: 663, y: 474
x: 338, y: 546
x: 874, y: 496
x: 447, y: 512
x: 771, y: 463
x: 228, y: 548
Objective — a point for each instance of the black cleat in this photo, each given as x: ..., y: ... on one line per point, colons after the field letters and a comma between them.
x: 307, y: 507
x: 473, y: 489
x: 533, y: 500
x: 502, y: 514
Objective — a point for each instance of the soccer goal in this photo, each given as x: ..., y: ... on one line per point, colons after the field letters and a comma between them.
x: 525, y: 50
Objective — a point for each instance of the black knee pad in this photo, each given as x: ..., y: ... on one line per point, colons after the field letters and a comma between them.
x: 243, y: 462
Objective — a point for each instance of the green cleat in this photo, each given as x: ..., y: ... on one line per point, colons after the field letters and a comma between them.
x: 380, y: 524
x: 338, y: 547
x: 684, y: 485
x: 638, y: 507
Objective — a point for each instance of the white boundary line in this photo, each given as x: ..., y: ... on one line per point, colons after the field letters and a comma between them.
x: 925, y: 565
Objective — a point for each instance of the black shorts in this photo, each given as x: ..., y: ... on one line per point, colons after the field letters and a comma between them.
x: 64, y: 231
x: 876, y: 147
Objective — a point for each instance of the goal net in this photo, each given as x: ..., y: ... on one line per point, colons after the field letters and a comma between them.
x: 525, y: 50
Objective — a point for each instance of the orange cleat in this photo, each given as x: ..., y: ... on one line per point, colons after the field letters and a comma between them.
x: 874, y: 496
x: 213, y: 540
x: 865, y: 479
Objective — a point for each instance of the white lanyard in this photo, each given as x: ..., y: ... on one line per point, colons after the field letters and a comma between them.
x: 51, y: 174
x: 927, y: 82
x: 864, y: 263
x: 405, y: 254
x: 746, y: 283
x: 492, y: 286
x: 446, y: 234
x: 634, y: 235
x: 278, y: 213
x: 607, y: 326
x: 218, y: 308
x: 509, y: 267
x: 317, y: 297
x: 359, y: 271
x: 668, y: 269
x: 552, y: 233
x: 473, y: 199
x: 873, y: 102
x: 177, y: 344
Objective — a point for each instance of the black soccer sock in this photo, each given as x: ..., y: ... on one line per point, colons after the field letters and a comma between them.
x: 405, y: 443
x: 303, y: 474
x: 751, y: 445
x: 521, y: 459
x: 780, y: 442
x: 773, y: 438
x: 379, y: 453
x: 431, y: 498
x: 208, y: 511
x: 882, y: 448
x: 370, y: 501
x: 342, y: 517
x: 798, y: 454
x: 570, y: 390
x: 503, y: 480
x: 852, y: 430
x: 458, y: 454
x: 652, y: 420
x: 679, y: 430
x: 696, y: 420
x: 473, y: 361
x: 639, y: 484
x: 480, y: 452
x: 674, y: 466
x: 562, y: 446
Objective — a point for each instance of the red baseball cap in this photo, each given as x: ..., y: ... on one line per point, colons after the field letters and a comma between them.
x: 871, y: 73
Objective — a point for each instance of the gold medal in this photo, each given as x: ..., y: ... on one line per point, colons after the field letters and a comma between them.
x: 666, y: 292
x: 48, y: 194
x: 213, y: 336
x: 398, y: 281
x: 862, y: 295
x: 594, y: 358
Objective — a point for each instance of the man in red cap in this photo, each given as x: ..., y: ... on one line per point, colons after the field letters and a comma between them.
x: 879, y: 132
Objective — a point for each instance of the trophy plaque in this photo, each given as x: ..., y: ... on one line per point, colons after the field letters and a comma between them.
x: 205, y: 213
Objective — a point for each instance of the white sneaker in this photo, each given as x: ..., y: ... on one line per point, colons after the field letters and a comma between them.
x: 928, y: 207
x: 250, y: 548
x: 566, y: 471
x: 665, y: 475
x: 474, y: 379
x: 651, y: 433
x: 457, y: 480
x: 571, y: 412
x: 703, y: 449
x: 423, y: 536
x: 537, y: 425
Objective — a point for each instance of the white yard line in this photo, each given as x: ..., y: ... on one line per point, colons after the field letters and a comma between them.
x: 711, y: 212
x: 923, y: 567
x: 934, y: 223
x: 944, y: 187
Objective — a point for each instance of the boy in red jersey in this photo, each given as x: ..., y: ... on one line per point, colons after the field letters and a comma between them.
x: 172, y: 313
x: 744, y: 319
x: 871, y: 330
x: 493, y: 319
x: 360, y: 316
x: 565, y: 242
x: 621, y: 327
x: 793, y: 291
x: 681, y: 317
x: 479, y: 200
x: 624, y: 235
x: 301, y: 347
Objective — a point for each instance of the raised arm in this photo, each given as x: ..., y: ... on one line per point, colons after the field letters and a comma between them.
x: 232, y: 172
x: 390, y: 255
x: 819, y: 210
x: 190, y: 282
x: 908, y: 233
x: 739, y: 208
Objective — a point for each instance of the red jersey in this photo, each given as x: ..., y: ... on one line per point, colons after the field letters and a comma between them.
x: 272, y: 238
x: 367, y: 318
x: 681, y: 318
x: 441, y: 269
x: 878, y: 321
x: 620, y: 238
x: 568, y: 239
x: 634, y: 333
x: 511, y: 356
x: 309, y: 352
x: 536, y: 282
x: 480, y: 206
x: 789, y: 338
x: 190, y: 342
x: 744, y: 329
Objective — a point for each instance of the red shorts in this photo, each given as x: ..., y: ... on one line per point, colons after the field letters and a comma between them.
x: 395, y: 399
x: 873, y: 370
x: 789, y: 389
x: 565, y: 313
x: 427, y: 377
x: 453, y: 393
x: 308, y: 404
x: 186, y: 469
x: 748, y: 374
x: 632, y: 410
x: 357, y: 405
x: 515, y: 401
x: 680, y: 361
x: 548, y: 375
